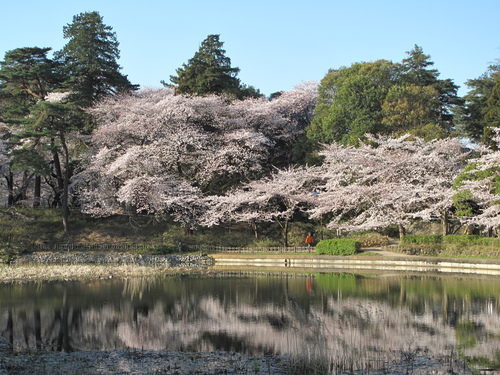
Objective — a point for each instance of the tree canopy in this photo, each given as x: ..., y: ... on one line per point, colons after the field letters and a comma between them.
x: 472, y: 114
x: 387, y: 181
x: 209, y: 71
x: 41, y: 102
x: 383, y: 97
x: 90, y: 60
x: 209, y: 149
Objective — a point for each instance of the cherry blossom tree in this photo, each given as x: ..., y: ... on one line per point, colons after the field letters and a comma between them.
x: 388, y: 182
x: 143, y: 156
x: 237, y: 206
x: 271, y: 199
x: 482, y: 179
x: 208, y: 143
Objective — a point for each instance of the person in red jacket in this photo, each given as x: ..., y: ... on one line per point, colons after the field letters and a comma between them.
x: 309, y: 240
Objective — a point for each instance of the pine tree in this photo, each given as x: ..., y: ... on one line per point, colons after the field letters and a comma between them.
x: 89, y: 60
x: 27, y: 75
x: 416, y: 71
x: 209, y: 71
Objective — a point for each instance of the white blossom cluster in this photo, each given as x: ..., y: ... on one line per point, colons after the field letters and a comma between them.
x: 209, y: 160
x: 157, y: 152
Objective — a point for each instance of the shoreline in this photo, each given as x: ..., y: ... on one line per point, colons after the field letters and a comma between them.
x: 99, y: 266
x: 51, y: 272
x: 165, y: 362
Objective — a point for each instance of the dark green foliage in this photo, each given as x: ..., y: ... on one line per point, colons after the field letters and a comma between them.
x: 383, y: 97
x: 159, y: 250
x: 340, y: 246
x: 26, y: 76
x: 492, y: 116
x: 422, y: 239
x: 90, y: 60
x: 472, y: 115
x: 209, y: 71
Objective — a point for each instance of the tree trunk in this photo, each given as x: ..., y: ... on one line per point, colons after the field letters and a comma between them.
x: 24, y: 187
x: 444, y: 219
x: 255, y: 230
x: 402, y: 231
x: 10, y: 328
x: 65, y: 192
x: 38, y: 329
x: 285, y: 233
x: 38, y: 190
x: 10, y: 189
x: 59, y: 177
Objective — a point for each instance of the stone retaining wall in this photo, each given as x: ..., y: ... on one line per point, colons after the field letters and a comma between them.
x: 114, y: 259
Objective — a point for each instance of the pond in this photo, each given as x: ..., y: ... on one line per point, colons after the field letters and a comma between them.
x: 346, y: 318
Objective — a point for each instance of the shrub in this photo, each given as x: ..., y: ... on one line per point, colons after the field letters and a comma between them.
x: 465, y: 239
x: 371, y: 239
x: 422, y: 239
x: 341, y: 246
x: 159, y: 250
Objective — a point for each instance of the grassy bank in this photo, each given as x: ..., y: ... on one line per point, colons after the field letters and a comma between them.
x: 26, y: 230
x: 451, y: 245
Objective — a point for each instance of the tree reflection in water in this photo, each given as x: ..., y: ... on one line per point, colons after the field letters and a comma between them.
x: 344, y: 318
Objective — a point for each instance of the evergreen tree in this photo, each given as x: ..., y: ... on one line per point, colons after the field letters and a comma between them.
x: 415, y: 68
x: 492, y: 117
x: 27, y: 75
x: 412, y: 109
x: 472, y: 115
x: 416, y: 71
x: 89, y: 60
x: 52, y: 122
x: 209, y: 71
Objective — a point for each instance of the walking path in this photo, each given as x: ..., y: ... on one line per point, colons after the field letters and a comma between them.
x: 381, y: 260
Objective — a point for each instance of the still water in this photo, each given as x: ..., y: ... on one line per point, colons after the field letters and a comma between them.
x: 350, y: 316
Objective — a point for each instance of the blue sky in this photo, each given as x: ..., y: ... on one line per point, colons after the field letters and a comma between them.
x: 276, y: 44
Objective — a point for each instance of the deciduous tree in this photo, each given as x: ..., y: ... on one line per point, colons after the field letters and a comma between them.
x: 210, y: 143
x: 479, y: 185
x: 412, y: 109
x: 388, y: 182
x: 383, y: 97
x: 277, y: 198
x: 350, y: 102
